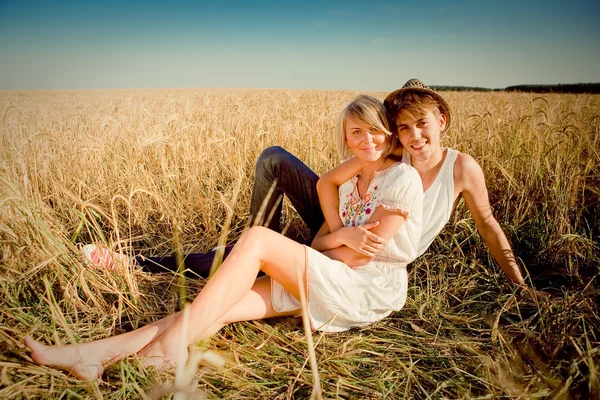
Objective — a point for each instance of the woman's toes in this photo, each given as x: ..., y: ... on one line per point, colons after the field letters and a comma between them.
x: 65, y: 358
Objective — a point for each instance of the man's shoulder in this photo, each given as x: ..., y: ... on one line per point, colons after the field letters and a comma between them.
x: 466, y: 170
x: 464, y: 160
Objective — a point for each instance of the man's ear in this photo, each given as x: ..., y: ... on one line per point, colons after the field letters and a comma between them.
x: 443, y: 120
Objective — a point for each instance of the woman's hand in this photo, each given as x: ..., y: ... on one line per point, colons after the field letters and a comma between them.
x: 361, y: 239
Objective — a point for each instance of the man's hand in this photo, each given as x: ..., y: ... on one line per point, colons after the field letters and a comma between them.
x: 361, y: 239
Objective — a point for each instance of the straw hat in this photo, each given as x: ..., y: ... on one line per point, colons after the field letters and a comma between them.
x: 415, y: 85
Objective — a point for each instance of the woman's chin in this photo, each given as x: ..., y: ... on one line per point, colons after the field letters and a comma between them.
x: 369, y: 157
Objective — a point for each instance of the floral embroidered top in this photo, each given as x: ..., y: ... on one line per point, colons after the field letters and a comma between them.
x: 397, y: 188
x: 359, y: 209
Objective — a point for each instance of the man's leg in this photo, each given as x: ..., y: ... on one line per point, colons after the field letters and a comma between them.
x: 291, y: 177
x: 196, y: 265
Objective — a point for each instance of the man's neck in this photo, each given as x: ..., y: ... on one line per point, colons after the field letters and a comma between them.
x: 424, y: 166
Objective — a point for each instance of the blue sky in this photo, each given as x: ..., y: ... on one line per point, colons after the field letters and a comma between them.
x: 334, y: 44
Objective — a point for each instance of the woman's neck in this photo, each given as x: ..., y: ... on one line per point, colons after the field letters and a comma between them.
x: 367, y: 173
x: 369, y: 168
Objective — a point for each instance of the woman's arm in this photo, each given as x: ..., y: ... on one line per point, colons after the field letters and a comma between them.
x: 327, y: 187
x: 384, y: 224
x: 361, y: 239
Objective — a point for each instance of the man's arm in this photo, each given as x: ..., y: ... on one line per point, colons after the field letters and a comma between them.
x: 470, y: 180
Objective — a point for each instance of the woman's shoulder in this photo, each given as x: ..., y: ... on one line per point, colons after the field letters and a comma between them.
x: 401, y: 169
x: 349, y: 184
x: 401, y: 175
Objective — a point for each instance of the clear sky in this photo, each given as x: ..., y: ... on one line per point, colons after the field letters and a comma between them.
x: 330, y: 44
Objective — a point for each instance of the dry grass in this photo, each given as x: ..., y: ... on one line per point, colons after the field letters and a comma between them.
x: 153, y: 171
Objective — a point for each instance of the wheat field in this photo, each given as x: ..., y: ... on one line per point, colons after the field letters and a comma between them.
x: 162, y: 171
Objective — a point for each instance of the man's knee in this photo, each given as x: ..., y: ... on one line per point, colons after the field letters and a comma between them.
x: 270, y: 160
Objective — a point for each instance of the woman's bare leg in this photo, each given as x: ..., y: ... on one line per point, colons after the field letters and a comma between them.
x: 255, y: 305
x: 224, y: 298
x: 233, y: 295
x: 86, y: 361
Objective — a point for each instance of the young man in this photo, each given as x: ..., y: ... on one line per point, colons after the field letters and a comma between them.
x: 420, y: 116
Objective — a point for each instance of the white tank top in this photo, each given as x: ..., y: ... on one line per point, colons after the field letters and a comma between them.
x: 438, y: 200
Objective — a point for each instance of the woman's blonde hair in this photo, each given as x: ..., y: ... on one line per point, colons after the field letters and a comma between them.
x: 369, y: 110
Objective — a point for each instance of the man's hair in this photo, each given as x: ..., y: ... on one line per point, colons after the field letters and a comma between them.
x: 369, y: 110
x: 411, y: 104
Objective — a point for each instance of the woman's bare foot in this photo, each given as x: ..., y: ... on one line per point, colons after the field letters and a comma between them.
x: 155, y: 356
x: 66, y: 358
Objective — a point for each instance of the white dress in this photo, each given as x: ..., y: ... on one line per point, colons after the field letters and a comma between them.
x: 341, y: 297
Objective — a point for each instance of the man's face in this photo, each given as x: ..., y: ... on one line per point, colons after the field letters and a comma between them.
x: 420, y: 134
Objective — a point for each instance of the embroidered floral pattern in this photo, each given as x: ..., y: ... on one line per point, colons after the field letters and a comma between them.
x: 355, y: 210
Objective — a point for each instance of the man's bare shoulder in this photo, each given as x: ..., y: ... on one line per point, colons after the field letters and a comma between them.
x: 467, y: 171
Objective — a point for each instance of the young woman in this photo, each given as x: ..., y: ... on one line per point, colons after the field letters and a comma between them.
x: 345, y: 288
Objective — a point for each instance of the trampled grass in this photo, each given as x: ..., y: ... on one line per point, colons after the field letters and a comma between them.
x: 153, y: 172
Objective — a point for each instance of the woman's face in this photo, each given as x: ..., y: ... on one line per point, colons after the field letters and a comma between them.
x: 364, y: 141
x: 420, y: 135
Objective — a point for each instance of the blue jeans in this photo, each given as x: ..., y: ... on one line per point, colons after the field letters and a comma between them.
x: 291, y: 178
